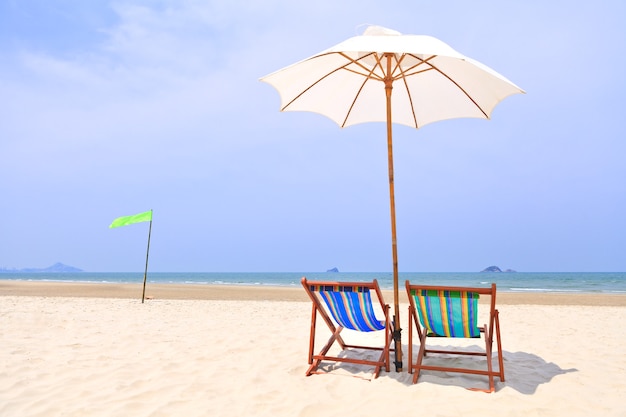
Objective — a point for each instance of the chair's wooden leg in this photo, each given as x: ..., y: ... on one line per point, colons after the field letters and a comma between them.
x: 499, y: 342
x: 410, y: 352
x: 334, y: 337
x: 381, y: 360
x: 488, y: 350
x: 312, y: 334
x: 388, y: 337
x: 320, y: 356
x: 420, y: 356
x: 384, y: 356
x: 313, y: 367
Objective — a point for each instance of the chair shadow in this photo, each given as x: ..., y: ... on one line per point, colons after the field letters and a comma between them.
x: 361, y: 371
x: 523, y: 371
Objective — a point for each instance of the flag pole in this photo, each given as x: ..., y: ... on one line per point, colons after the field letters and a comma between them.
x: 145, y: 274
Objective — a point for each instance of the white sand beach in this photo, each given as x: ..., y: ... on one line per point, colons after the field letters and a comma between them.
x: 96, y: 350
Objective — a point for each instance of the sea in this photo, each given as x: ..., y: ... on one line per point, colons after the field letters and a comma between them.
x: 529, y: 282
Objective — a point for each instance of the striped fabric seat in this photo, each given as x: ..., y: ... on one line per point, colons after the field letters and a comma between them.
x: 350, y: 306
x: 448, y: 313
x: 452, y: 312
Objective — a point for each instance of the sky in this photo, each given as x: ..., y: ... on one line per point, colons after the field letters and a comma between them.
x: 111, y: 108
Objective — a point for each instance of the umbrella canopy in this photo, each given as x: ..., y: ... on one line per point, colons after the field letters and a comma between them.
x: 384, y: 76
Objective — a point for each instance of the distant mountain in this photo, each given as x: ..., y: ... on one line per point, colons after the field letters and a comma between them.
x: 57, y: 267
x: 494, y: 268
x: 333, y: 270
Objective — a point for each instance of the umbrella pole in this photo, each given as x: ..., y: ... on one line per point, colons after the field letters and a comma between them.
x: 397, y: 337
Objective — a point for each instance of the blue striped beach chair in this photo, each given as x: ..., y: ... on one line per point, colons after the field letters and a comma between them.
x: 347, y: 305
x: 453, y: 312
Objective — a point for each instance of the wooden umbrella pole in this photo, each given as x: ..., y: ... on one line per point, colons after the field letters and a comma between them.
x: 394, y: 246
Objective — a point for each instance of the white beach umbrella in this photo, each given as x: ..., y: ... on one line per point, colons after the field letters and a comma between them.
x: 383, y: 76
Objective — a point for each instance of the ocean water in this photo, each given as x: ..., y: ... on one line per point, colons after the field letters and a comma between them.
x: 549, y: 282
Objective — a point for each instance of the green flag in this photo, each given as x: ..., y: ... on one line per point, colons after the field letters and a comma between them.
x: 146, y: 216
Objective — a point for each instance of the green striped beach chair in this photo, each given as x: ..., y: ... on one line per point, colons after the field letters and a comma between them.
x: 452, y: 312
x: 347, y: 305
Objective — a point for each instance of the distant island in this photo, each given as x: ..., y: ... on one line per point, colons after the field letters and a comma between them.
x: 494, y: 268
x: 57, y: 267
x: 333, y: 270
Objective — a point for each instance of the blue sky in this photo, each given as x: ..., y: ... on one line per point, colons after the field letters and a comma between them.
x: 111, y: 108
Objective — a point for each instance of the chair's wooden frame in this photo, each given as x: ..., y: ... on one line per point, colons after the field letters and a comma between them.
x: 319, y: 308
x: 488, y: 330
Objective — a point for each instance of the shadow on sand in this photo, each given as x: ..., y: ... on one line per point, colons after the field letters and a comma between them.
x: 524, y: 372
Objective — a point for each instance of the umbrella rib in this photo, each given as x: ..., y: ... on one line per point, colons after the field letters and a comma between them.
x: 308, y: 88
x: 434, y: 67
x: 368, y: 73
x: 343, y: 67
x: 403, y: 76
x: 405, y: 73
x: 366, y: 77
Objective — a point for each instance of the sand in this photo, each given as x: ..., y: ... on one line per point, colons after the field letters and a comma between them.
x: 96, y: 350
